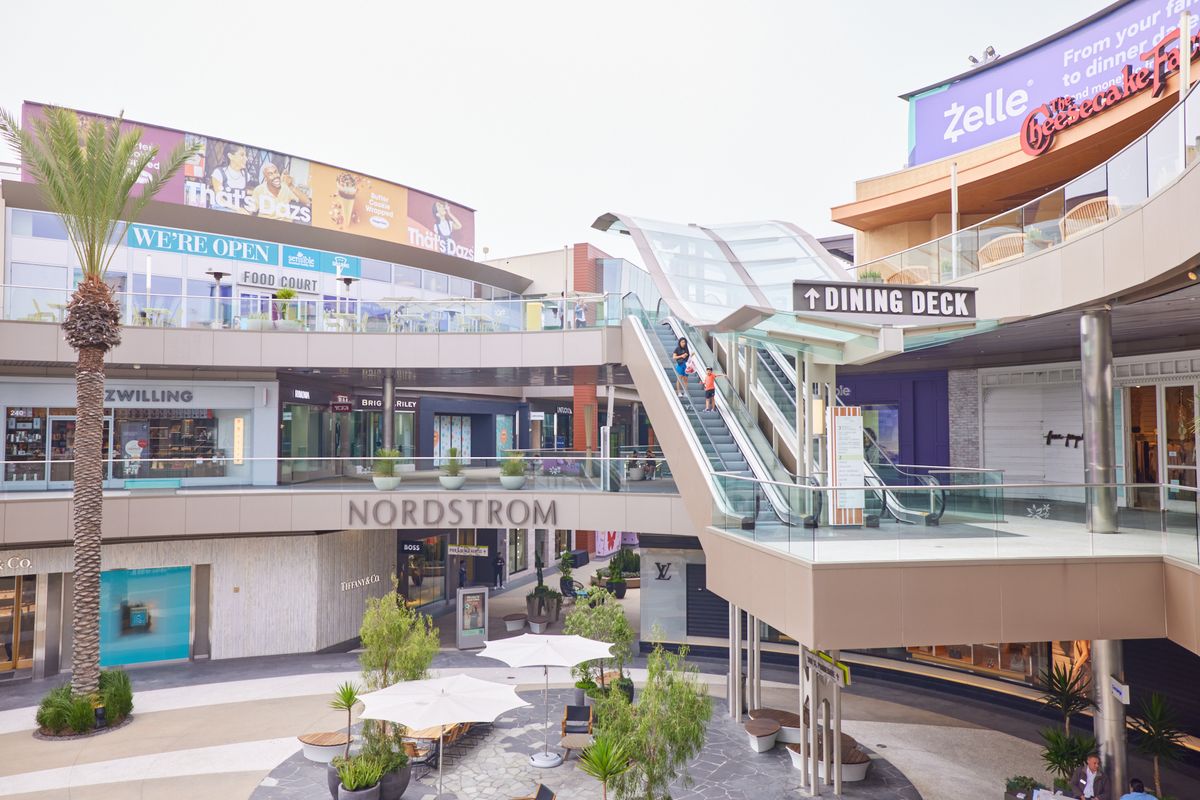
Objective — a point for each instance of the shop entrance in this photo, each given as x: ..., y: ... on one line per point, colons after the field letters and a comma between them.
x: 1162, y: 446
x: 18, y: 614
x: 62, y: 451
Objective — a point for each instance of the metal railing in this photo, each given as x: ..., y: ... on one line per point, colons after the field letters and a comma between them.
x: 252, y: 311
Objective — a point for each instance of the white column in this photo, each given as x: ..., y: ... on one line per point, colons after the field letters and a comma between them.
x: 803, y: 730
x: 806, y: 443
x: 837, y: 731
x: 737, y: 663
x: 730, y: 686
x: 1109, y: 720
x: 814, y: 708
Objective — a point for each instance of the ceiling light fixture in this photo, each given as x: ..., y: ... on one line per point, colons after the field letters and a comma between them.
x: 1191, y: 276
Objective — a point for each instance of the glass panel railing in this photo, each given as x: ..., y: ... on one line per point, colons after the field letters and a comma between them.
x: 542, y: 471
x: 983, y: 520
x: 1142, y: 169
x: 254, y: 312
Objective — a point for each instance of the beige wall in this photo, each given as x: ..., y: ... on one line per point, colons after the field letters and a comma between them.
x: 551, y: 272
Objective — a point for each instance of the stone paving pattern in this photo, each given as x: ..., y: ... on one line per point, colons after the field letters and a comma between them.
x: 492, y: 764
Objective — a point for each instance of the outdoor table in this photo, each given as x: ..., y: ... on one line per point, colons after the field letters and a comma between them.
x: 574, y: 741
x: 425, y: 733
x: 61, y: 308
x: 762, y: 733
x: 155, y: 317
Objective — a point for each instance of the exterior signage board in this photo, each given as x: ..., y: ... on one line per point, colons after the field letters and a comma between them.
x: 1082, y: 63
x: 822, y: 664
x: 1119, y: 690
x: 471, y: 616
x: 845, y: 444
x: 477, y: 550
x: 467, y: 512
x: 877, y: 298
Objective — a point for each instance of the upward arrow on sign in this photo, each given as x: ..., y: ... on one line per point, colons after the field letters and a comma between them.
x: 812, y: 295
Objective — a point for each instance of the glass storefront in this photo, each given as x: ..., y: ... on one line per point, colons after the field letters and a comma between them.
x: 451, y: 431
x: 18, y: 615
x: 423, y: 570
x: 550, y: 426
x: 1015, y: 661
x: 145, y: 615
x: 518, y: 551
x: 562, y: 542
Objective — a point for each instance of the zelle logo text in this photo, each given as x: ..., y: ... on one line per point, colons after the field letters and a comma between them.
x: 996, y: 107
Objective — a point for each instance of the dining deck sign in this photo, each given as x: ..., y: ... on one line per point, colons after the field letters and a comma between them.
x: 875, y: 298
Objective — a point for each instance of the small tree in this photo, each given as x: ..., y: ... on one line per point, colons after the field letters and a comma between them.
x: 1158, y: 735
x: 344, y: 699
x: 604, y: 621
x: 1064, y: 752
x: 1069, y: 692
x: 663, y: 732
x: 398, y: 643
x: 605, y: 760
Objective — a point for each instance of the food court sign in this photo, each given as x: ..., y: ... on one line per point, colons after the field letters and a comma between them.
x: 1082, y: 63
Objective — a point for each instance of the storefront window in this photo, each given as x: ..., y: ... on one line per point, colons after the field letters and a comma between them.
x: 1015, y: 661
x: 518, y: 552
x: 562, y: 542
x: 366, y: 433
x: 25, y: 444
x: 145, y: 615
x: 18, y: 610
x: 451, y: 430
x: 423, y: 570
x: 179, y: 443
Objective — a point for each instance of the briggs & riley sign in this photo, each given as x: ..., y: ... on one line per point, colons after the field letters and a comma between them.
x: 873, y: 298
x: 1047, y: 120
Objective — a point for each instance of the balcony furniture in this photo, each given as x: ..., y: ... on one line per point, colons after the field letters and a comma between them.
x: 1088, y: 215
x: 38, y: 315
x: 59, y: 308
x: 574, y: 741
x: 540, y: 793
x: 577, y: 719
x: 1003, y: 248
x: 324, y: 746
x: 515, y: 622
x: 423, y: 756
x: 762, y: 733
x: 916, y: 276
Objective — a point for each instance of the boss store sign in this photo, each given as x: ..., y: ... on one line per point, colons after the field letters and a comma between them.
x: 306, y: 394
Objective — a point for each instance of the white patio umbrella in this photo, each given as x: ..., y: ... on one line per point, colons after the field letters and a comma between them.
x: 440, y: 702
x: 533, y: 650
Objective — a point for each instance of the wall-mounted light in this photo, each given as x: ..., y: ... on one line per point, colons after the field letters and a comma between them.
x: 1191, y: 276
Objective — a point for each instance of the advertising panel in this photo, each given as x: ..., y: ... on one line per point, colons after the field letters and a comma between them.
x: 354, y: 203
x: 244, y: 179
x: 845, y: 455
x: 439, y: 225
x: 145, y: 615
x: 992, y: 102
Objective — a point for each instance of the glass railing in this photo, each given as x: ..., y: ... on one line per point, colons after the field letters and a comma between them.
x: 327, y: 315
x: 1124, y: 182
x: 545, y: 471
x: 980, y: 521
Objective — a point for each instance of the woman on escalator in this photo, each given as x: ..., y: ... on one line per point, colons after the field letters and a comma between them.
x: 681, y: 356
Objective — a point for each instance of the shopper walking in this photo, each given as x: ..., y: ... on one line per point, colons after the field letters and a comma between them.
x: 462, y: 573
x: 681, y: 356
x: 499, y: 571
x: 1088, y: 782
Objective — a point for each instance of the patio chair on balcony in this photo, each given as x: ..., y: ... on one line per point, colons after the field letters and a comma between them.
x: 1002, y: 248
x: 915, y: 276
x: 39, y: 315
x: 1088, y: 215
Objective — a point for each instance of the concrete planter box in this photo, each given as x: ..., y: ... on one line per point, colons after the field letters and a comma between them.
x: 514, y: 622
x: 631, y: 582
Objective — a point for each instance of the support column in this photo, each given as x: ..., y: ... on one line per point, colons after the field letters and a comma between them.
x: 736, y: 703
x: 752, y: 662
x: 751, y: 380
x: 635, y: 434
x: 1099, y: 457
x: 803, y: 731
x: 389, y: 409
x: 801, y: 417
x: 806, y: 442
x: 1109, y: 721
x: 730, y: 687
x: 837, y: 731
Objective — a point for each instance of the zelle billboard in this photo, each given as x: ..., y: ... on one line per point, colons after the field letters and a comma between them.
x: 1083, y: 68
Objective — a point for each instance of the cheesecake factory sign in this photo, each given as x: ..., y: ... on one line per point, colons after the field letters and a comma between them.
x: 459, y: 512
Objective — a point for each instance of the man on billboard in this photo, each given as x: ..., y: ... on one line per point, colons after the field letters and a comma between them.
x: 278, y: 196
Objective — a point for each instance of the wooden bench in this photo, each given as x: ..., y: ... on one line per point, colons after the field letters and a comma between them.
x: 322, y: 747
x: 762, y: 733
x: 854, y: 762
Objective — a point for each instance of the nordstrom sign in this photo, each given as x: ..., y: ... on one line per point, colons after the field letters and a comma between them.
x: 464, y: 512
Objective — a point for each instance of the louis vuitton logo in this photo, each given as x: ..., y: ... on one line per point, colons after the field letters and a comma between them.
x: 664, y: 570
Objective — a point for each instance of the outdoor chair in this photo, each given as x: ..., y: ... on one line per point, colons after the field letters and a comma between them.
x: 1088, y: 215
x: 1002, y: 248
x: 577, y: 719
x: 541, y: 793
x: 426, y: 757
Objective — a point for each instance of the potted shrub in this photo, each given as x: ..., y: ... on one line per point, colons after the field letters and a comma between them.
x: 616, y: 582
x: 582, y: 687
x: 512, y: 472
x: 566, y: 583
x: 624, y: 685
x: 384, y: 469
x: 636, y: 472
x: 1064, y: 752
x: 359, y: 778
x: 256, y: 322
x: 870, y: 276
x: 288, y: 317
x: 389, y: 750
x: 452, y: 477
x: 345, y: 697
x: 1021, y: 787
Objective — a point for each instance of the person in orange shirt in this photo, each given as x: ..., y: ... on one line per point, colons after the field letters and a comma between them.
x: 710, y: 389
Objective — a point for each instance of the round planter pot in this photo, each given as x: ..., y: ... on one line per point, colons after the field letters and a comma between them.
x: 512, y: 481
x: 580, y: 696
x: 452, y: 481
x: 566, y: 586
x: 637, y: 474
x: 335, y: 781
x: 393, y: 784
x: 362, y: 794
x: 761, y: 744
x: 618, y: 589
x: 385, y: 484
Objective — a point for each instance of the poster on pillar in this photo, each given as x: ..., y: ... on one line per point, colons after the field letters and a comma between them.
x: 846, y: 468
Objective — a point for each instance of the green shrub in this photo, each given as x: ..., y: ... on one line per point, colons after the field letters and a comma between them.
x: 452, y: 467
x: 615, y: 576
x: 870, y: 276
x: 360, y: 772
x: 116, y: 692
x: 385, y: 462
x: 513, y: 466
x: 1022, y: 783
x: 59, y: 712
x: 628, y: 561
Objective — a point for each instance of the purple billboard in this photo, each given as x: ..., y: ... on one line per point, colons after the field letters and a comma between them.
x: 992, y: 102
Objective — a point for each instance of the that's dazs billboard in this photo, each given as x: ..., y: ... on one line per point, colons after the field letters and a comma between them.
x: 994, y: 101
x: 243, y: 179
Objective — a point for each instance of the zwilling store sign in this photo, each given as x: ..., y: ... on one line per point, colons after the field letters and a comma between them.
x: 1085, y: 65
x: 248, y: 180
x: 892, y: 301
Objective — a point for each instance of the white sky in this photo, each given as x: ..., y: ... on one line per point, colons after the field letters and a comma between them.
x: 541, y: 115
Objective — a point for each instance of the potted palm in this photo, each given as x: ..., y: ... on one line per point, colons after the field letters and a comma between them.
x: 384, y: 469
x: 604, y: 760
x: 452, y: 477
x: 389, y: 750
x: 1158, y: 735
x: 359, y: 778
x: 345, y: 697
x: 512, y: 472
x: 287, y: 310
x: 616, y: 582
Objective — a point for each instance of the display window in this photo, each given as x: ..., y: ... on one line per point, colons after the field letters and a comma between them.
x: 145, y: 615
x: 423, y: 570
x: 518, y: 551
x: 18, y: 615
x: 1013, y: 661
x: 451, y: 431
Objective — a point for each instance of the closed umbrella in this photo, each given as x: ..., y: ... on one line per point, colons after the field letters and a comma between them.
x: 533, y: 650
x: 440, y: 702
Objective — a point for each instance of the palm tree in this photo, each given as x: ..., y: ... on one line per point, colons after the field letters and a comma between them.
x: 1067, y: 691
x: 1157, y: 734
x: 345, y: 697
x: 604, y: 760
x: 86, y: 170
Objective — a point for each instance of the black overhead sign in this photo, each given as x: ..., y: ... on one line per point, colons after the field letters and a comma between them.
x: 878, y: 298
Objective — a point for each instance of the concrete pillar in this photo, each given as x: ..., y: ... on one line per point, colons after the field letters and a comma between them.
x: 1109, y: 720
x: 1099, y: 457
x: 737, y: 663
x: 804, y: 377
x: 751, y: 380
x: 837, y: 731
x: 635, y: 435
x: 389, y: 410
x: 752, y: 662
x: 731, y: 687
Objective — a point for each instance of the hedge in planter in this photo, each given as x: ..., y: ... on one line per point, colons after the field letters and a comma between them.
x: 61, y: 714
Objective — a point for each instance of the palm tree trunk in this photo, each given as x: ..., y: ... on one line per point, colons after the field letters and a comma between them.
x: 88, y: 510
x: 1157, y: 779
